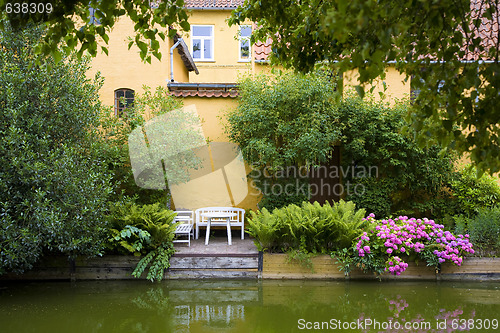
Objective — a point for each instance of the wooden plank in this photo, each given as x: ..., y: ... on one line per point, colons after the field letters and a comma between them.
x: 278, y: 266
x: 104, y: 273
x: 490, y: 277
x: 214, y: 263
x: 299, y: 276
x: 211, y: 274
x: 115, y: 261
x: 275, y: 266
x: 42, y: 273
x: 473, y: 265
x: 212, y: 255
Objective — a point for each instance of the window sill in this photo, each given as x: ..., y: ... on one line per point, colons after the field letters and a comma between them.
x: 203, y: 60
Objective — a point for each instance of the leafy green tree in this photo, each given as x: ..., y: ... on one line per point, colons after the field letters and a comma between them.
x: 444, y: 47
x: 284, y: 120
x: 54, y: 185
x: 409, y: 180
x: 178, y: 131
x: 79, y: 24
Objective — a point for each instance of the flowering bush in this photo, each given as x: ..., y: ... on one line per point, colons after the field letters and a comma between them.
x: 388, y: 244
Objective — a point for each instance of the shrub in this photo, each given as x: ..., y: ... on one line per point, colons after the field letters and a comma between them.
x: 54, y: 183
x: 310, y: 228
x: 484, y: 229
x: 115, y: 145
x: 411, y: 180
x: 147, y: 230
x: 295, y: 120
x: 474, y: 193
x: 390, y: 243
x: 283, y: 120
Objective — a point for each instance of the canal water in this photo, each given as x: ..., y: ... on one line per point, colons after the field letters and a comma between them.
x: 249, y: 306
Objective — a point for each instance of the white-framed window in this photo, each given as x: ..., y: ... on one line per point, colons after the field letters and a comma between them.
x: 202, y: 42
x: 244, y: 45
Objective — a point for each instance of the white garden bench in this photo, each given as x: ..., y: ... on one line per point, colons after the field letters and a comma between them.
x: 238, y: 220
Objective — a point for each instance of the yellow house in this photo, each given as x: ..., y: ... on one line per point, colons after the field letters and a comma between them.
x: 201, y: 66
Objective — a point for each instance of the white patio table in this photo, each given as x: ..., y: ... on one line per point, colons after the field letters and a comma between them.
x: 219, y: 215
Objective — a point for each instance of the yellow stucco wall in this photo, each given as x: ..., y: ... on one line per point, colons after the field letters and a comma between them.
x: 212, y: 112
x: 397, y: 88
x: 226, y: 65
x: 123, y: 68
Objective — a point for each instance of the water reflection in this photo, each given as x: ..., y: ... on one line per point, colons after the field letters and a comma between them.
x: 248, y: 306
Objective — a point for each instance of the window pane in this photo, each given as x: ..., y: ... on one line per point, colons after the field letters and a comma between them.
x: 199, y: 31
x: 245, y: 49
x: 129, y: 94
x: 92, y: 18
x: 119, y: 93
x: 196, y: 48
x: 245, y: 31
x: 207, y: 50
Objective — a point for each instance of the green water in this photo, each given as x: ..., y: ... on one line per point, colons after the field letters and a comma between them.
x: 248, y: 306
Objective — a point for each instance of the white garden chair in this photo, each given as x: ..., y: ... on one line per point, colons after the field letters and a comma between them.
x: 185, y: 226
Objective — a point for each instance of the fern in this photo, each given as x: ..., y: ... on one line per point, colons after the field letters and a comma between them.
x: 158, y: 261
x: 310, y: 228
x: 152, y: 228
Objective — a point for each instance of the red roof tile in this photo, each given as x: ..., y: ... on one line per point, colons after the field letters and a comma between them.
x: 203, y: 89
x: 488, y: 31
x: 204, y: 93
x: 213, y: 4
x: 262, y: 50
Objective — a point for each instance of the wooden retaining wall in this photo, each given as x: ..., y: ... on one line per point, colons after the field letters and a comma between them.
x: 241, y: 266
x: 248, y: 266
x: 278, y: 266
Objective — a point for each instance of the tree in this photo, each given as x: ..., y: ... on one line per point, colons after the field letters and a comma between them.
x: 449, y: 49
x: 174, y: 130
x: 78, y: 24
x: 284, y: 121
x: 54, y: 184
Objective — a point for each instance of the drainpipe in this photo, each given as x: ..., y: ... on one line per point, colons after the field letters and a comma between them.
x: 172, y: 59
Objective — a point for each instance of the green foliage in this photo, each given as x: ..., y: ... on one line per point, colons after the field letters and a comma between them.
x: 158, y: 261
x: 474, y: 193
x: 69, y: 23
x: 483, y: 228
x: 284, y: 120
x: 154, y: 219
x: 404, y: 179
x: 310, y: 228
x: 392, y: 174
x: 413, y: 35
x: 54, y: 184
x: 130, y: 238
x: 297, y: 191
x: 114, y: 142
x: 146, y: 229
